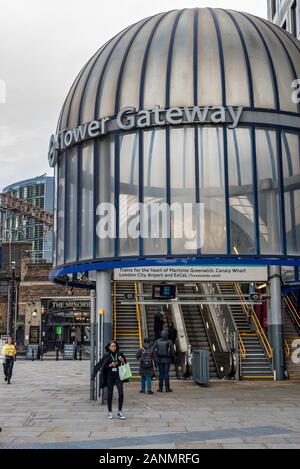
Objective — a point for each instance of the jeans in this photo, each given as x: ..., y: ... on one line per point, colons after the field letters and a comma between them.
x: 8, y: 368
x: 111, y: 382
x: 164, y: 369
x: 148, y: 380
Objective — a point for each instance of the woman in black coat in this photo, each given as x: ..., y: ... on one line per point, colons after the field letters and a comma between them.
x: 108, y: 367
x: 145, y: 356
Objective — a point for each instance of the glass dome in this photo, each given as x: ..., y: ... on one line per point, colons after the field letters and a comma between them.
x: 247, y: 178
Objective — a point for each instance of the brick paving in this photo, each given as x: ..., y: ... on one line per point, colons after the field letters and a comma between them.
x: 47, y: 405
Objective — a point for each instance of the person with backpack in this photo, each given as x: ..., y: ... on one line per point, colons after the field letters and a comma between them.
x: 145, y: 357
x: 163, y: 355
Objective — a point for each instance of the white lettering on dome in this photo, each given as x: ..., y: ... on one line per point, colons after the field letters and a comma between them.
x: 129, y: 119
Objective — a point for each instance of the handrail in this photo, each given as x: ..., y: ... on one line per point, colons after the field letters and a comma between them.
x: 242, y: 347
x: 287, y: 349
x: 292, y: 310
x: 115, y: 311
x: 138, y: 315
x: 252, y: 314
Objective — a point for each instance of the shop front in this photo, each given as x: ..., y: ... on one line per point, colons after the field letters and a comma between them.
x: 65, y: 321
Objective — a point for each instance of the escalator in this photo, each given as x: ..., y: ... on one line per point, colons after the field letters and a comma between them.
x: 195, y: 328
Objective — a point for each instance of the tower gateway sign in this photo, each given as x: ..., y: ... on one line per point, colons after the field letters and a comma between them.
x: 129, y: 119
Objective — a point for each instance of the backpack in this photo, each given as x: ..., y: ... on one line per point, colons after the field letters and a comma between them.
x: 146, y: 360
x: 163, y: 349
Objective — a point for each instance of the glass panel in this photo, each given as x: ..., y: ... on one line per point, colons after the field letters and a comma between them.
x: 260, y: 67
x: 61, y: 208
x: 111, y: 75
x: 130, y: 89
x: 237, y: 84
x: 129, y: 195
x: 283, y: 69
x: 212, y: 189
x: 71, y: 210
x: 209, y: 70
x: 291, y: 171
x: 105, y: 189
x: 156, y: 72
x: 268, y: 192
x: 182, y: 78
x: 89, y: 99
x: 241, y: 191
x: 154, y: 191
x: 183, y: 194
x: 87, y: 205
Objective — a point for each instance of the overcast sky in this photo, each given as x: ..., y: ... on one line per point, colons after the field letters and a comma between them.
x: 43, y: 45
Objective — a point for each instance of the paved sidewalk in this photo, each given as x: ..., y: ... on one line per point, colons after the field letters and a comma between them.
x: 47, y: 405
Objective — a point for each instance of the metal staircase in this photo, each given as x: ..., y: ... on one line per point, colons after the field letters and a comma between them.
x: 127, y: 324
x: 255, y: 362
x: 195, y: 328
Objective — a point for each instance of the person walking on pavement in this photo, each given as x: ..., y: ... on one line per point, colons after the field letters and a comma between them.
x: 9, y: 352
x: 159, y: 320
x: 108, y: 367
x: 163, y: 355
x: 145, y: 357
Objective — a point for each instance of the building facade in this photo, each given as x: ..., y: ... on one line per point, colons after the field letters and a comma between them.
x: 189, y: 108
x: 39, y: 192
x: 286, y: 14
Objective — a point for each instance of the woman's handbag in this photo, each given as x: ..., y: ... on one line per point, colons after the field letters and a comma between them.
x: 125, y: 372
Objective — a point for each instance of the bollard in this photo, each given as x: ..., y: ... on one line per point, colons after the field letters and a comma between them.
x: 32, y: 354
x: 57, y: 356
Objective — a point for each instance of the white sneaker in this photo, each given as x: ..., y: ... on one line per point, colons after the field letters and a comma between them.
x: 121, y: 416
x: 110, y: 415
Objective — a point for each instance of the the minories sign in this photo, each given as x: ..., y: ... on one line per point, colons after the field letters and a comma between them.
x: 129, y: 119
x: 55, y: 305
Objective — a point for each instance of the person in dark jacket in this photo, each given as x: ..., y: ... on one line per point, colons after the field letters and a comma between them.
x: 172, y: 332
x: 163, y: 355
x: 108, y: 367
x: 159, y: 320
x: 145, y: 357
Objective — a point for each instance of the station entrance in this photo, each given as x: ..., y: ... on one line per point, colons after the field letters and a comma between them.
x: 229, y: 319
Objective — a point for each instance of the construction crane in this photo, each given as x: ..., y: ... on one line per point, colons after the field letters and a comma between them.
x: 9, y: 202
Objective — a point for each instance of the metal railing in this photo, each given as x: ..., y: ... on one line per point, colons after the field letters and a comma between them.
x: 293, y: 311
x: 242, y: 347
x: 250, y: 313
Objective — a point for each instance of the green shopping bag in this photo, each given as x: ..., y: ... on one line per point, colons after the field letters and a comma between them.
x: 125, y: 372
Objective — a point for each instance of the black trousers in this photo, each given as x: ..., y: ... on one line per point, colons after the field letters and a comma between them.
x: 8, y: 368
x: 111, y: 382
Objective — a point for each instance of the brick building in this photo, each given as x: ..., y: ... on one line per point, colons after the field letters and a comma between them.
x: 35, y: 292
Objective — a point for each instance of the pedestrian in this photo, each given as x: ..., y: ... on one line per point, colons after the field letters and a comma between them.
x: 159, y: 320
x: 163, y: 355
x: 172, y: 332
x: 145, y: 357
x: 9, y: 352
x: 108, y: 368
